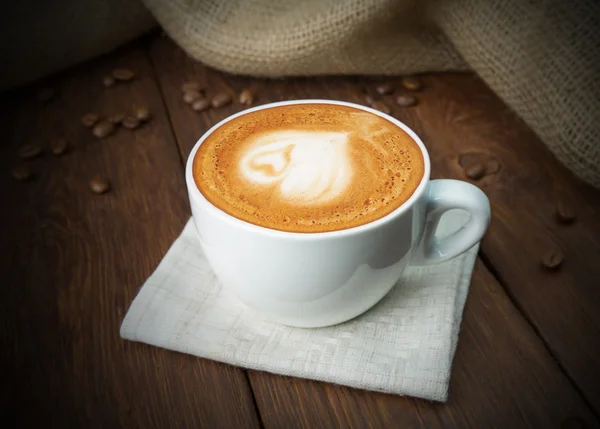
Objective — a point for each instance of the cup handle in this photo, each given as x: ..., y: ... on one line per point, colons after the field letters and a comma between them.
x: 444, y: 195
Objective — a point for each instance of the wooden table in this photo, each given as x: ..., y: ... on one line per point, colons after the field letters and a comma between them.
x: 73, y: 261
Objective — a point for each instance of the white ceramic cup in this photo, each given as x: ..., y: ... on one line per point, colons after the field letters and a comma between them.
x: 320, y: 279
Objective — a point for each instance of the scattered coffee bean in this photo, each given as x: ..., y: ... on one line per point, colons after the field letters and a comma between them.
x: 130, y: 122
x: 221, y: 99
x: 21, y: 173
x: 475, y: 171
x: 381, y: 106
x: 46, y: 95
x: 143, y: 114
x: 123, y: 74
x: 117, y: 118
x: 406, y: 101
x: 369, y: 100
x: 191, y: 86
x: 89, y: 119
x: 553, y: 259
x: 190, y: 96
x: 411, y: 83
x: 201, y: 104
x: 59, y: 146
x: 99, y: 185
x: 30, y: 151
x: 384, y: 89
x: 564, y: 213
x: 108, y: 81
x: 103, y: 129
x: 246, y: 97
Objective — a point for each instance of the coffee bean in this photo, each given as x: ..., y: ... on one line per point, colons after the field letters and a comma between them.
x: 411, y: 83
x: 190, y: 96
x: 564, y: 213
x: 130, y: 122
x: 143, y: 114
x: 59, y: 146
x: 116, y: 118
x: 381, y: 106
x: 201, y: 104
x: 21, y: 173
x: 46, y: 95
x: 384, y: 89
x: 99, y: 185
x: 30, y: 151
x: 108, y: 81
x: 123, y: 74
x: 191, y: 86
x: 475, y: 171
x: 369, y: 100
x: 406, y: 101
x: 553, y: 259
x: 246, y: 97
x: 221, y: 99
x: 89, y: 119
x: 573, y: 422
x: 103, y: 129
x: 492, y: 166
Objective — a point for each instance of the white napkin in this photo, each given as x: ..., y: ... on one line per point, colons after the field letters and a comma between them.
x: 404, y: 345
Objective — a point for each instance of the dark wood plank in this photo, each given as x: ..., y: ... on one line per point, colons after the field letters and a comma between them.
x: 174, y: 68
x: 73, y: 261
x: 502, y: 378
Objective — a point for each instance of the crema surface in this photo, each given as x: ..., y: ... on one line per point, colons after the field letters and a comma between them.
x: 308, y: 167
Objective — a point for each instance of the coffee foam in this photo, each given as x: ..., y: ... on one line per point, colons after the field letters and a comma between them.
x: 308, y: 167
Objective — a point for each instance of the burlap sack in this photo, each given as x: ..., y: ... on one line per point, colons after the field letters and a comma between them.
x: 540, y: 56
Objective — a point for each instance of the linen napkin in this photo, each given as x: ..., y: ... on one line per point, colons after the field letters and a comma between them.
x: 404, y: 345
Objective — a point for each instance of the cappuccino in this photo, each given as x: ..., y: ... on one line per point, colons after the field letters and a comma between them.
x: 308, y: 167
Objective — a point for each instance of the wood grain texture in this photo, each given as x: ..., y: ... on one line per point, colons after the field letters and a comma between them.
x: 72, y: 262
x: 457, y: 114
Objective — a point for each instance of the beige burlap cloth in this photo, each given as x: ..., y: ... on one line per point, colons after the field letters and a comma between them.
x: 404, y: 345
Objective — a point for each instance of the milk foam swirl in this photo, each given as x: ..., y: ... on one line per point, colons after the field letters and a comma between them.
x: 307, y: 167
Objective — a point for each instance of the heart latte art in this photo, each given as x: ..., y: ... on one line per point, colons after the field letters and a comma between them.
x: 308, y: 167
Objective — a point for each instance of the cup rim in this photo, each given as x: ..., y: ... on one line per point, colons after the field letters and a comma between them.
x: 195, y: 193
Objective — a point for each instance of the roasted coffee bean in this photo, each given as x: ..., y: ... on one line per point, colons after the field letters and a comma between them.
x: 143, y: 114
x: 103, y: 129
x: 59, y: 146
x: 406, y: 101
x: 369, y: 100
x: 21, y: 173
x: 384, y: 89
x: 30, y: 151
x: 246, y: 97
x: 201, y: 104
x: 99, y: 185
x: 411, y: 83
x: 553, y: 259
x: 123, y: 74
x: 130, y: 122
x: 46, y: 95
x: 492, y: 166
x: 475, y: 171
x: 89, y: 119
x: 564, y: 213
x: 116, y: 118
x: 108, y: 81
x: 221, y: 99
x: 190, y: 96
x: 381, y: 106
x: 191, y: 86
